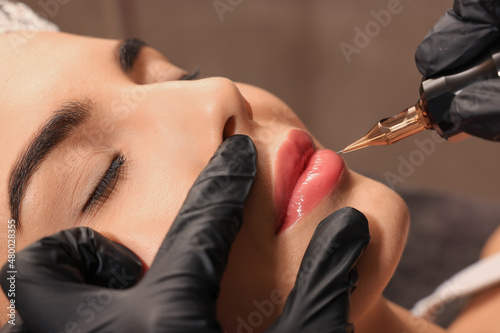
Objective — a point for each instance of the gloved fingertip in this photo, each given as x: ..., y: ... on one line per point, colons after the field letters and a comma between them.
x: 229, y: 174
x: 345, y: 230
x: 115, y: 260
x: 240, y: 142
x: 327, y: 274
x: 422, y: 63
x: 452, y: 42
x: 227, y: 178
x: 347, y: 218
x: 238, y: 153
x: 125, y: 254
x: 96, y: 258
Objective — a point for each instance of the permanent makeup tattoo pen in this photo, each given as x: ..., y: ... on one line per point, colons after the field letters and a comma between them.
x: 432, y: 111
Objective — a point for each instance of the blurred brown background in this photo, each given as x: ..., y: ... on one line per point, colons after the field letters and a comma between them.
x: 292, y: 48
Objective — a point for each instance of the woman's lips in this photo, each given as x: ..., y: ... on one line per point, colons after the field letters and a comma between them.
x: 304, y: 176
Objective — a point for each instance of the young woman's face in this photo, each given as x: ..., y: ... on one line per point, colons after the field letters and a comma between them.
x: 166, y: 129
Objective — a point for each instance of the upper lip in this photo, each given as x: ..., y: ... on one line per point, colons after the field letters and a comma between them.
x: 291, y: 160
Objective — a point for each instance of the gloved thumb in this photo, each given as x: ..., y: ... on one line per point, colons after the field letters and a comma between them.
x: 319, y: 301
x: 460, y: 35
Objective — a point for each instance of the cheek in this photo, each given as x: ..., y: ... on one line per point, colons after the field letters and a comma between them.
x: 161, y: 165
x: 140, y: 230
x: 144, y: 244
x: 145, y: 206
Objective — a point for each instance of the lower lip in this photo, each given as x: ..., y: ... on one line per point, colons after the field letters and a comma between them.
x: 304, y: 176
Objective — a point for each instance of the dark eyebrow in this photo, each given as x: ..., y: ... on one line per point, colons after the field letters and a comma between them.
x: 62, y: 123
x: 128, y: 51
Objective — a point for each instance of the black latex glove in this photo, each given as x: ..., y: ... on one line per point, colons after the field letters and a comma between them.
x: 59, y: 276
x: 464, y: 32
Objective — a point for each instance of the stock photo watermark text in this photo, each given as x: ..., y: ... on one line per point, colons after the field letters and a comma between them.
x: 12, y: 272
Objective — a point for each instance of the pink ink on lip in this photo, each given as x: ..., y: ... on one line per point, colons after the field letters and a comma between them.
x: 304, y: 176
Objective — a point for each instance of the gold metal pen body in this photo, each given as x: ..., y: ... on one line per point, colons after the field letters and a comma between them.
x: 389, y: 130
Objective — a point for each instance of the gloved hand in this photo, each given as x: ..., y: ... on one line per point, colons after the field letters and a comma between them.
x: 68, y: 281
x: 464, y: 32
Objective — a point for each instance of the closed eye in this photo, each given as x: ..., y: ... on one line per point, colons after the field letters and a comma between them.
x: 105, y: 187
x: 128, y: 52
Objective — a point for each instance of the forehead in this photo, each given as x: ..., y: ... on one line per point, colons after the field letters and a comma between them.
x: 36, y: 61
x: 41, y: 71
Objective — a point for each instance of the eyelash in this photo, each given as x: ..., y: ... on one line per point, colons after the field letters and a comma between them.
x: 106, y: 185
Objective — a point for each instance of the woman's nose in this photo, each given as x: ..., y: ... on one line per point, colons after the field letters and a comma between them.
x: 220, y: 105
x: 209, y: 110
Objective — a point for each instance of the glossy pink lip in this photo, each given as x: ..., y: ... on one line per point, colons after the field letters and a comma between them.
x: 304, y: 176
